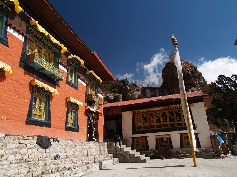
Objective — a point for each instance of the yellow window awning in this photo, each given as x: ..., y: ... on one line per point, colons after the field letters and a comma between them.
x: 73, y: 100
x: 78, y: 58
x: 42, y: 30
x: 18, y: 8
x: 5, y: 67
x: 93, y: 73
x: 45, y: 86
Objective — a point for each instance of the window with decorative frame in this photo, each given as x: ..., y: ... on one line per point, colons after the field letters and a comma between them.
x: 186, y: 143
x: 43, y: 51
x: 185, y: 140
x: 2, y: 16
x: 159, y: 119
x: 39, y: 113
x: 91, y: 87
x: 3, y: 36
x: 71, y: 123
x: 39, y: 109
x: 91, y: 90
x: 140, y: 143
x: 72, y: 78
x: 72, y: 117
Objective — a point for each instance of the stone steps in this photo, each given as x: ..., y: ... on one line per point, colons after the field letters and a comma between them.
x: 126, y: 154
x: 20, y: 156
x: 47, y: 167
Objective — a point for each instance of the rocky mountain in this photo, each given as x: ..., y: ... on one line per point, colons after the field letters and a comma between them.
x: 120, y: 90
x: 123, y: 90
x: 193, y: 79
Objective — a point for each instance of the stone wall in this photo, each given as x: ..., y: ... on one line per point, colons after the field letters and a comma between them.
x: 21, y: 156
x: 206, y: 153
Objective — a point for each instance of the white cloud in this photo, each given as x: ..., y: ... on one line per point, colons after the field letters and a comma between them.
x: 212, y: 69
x: 128, y: 76
x: 152, y: 71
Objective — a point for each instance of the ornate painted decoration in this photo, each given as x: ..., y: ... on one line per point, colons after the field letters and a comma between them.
x: 45, y: 86
x: 73, y: 100
x: 168, y: 117
x: 43, y: 66
x: 75, y: 59
x: 5, y: 67
x: 39, y: 28
x: 7, y: 3
x: 92, y: 73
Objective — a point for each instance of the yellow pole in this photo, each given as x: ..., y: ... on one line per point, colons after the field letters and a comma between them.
x: 175, y: 43
x: 189, y: 129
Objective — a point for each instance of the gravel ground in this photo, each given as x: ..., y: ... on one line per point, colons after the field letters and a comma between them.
x: 226, y: 167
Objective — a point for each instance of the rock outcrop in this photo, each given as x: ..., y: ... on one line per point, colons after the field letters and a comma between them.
x: 193, y: 79
x: 122, y: 90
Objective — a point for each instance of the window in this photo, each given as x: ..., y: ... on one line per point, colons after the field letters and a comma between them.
x: 72, y: 79
x: 185, y: 140
x: 72, y: 117
x: 186, y: 143
x: 44, y: 52
x: 72, y: 114
x: 91, y: 90
x: 3, y: 36
x: 2, y: 16
x: 39, y: 112
x: 159, y: 119
x: 91, y: 86
x: 40, y: 106
x: 153, y: 93
x: 140, y: 143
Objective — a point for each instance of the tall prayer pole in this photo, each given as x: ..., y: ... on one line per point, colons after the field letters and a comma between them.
x: 176, y: 58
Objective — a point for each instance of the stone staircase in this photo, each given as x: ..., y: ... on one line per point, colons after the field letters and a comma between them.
x: 20, y: 156
x: 126, y: 154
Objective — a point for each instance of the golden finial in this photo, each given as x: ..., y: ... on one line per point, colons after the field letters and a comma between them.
x: 174, y: 41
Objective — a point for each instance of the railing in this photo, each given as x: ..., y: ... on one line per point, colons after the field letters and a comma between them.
x: 43, y: 66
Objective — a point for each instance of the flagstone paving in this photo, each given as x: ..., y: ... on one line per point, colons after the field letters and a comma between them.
x: 226, y: 167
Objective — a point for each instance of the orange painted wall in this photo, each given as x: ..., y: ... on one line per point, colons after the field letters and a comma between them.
x: 15, y: 94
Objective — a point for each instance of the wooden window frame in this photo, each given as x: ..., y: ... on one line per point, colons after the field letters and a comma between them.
x: 3, y: 27
x: 140, y: 143
x: 91, y: 95
x: 44, y: 50
x: 72, y: 82
x: 72, y: 107
x: 184, y: 144
x: 166, y: 119
x: 185, y: 140
x: 33, y: 114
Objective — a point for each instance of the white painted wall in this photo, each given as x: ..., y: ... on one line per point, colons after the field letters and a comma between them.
x: 200, y: 120
x: 127, y: 127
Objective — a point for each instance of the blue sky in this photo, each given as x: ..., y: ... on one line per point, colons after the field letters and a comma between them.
x: 133, y: 37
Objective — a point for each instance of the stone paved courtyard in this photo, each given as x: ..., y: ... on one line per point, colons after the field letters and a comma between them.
x: 226, y: 167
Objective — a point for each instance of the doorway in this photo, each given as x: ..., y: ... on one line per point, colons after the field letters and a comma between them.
x: 163, y: 145
x: 119, y: 128
x: 92, y: 128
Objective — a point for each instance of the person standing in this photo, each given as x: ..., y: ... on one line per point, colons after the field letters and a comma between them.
x: 117, y: 139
